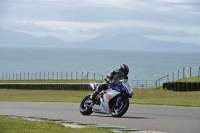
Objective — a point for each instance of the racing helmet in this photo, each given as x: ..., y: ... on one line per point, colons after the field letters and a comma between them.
x: 124, y: 69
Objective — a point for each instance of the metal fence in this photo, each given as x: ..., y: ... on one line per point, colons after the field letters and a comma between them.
x: 50, y: 76
x: 137, y: 84
x: 179, y: 74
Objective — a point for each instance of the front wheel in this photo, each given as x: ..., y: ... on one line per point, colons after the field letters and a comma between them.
x: 85, y: 108
x: 120, y: 106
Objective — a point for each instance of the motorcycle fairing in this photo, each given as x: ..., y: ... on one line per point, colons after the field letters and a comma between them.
x: 94, y: 86
x: 104, y: 102
x: 123, y: 88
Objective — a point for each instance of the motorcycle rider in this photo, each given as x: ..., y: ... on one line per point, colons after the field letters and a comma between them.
x: 112, y: 78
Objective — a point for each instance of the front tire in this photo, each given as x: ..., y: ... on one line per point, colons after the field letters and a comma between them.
x: 85, y: 108
x: 119, y: 109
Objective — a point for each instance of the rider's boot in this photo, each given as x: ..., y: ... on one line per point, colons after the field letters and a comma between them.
x: 95, y: 93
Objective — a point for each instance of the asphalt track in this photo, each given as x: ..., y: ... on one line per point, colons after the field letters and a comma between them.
x: 170, y: 119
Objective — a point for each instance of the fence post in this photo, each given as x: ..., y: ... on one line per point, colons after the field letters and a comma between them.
x: 173, y: 76
x: 157, y: 83
x: 82, y: 75
x: 87, y: 75
x: 102, y: 77
x: 167, y: 78
x: 16, y: 76
x: 190, y: 71
x: 61, y: 75
x: 178, y: 74
x: 199, y: 72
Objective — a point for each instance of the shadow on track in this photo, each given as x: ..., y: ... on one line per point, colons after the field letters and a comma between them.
x: 129, y: 117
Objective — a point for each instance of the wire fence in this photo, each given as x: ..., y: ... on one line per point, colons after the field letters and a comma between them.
x: 179, y: 74
x: 137, y: 84
x: 50, y: 76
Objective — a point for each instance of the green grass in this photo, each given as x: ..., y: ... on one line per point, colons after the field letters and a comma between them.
x: 166, y: 97
x: 145, y: 96
x: 50, y: 81
x: 192, y: 79
x: 18, y: 125
x: 42, y: 95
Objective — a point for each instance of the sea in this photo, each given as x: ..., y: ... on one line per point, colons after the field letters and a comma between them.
x: 143, y: 65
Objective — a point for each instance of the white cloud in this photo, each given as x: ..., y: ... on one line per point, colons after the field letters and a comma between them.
x: 80, y: 31
x: 182, y: 39
x: 85, y: 19
x: 178, y: 1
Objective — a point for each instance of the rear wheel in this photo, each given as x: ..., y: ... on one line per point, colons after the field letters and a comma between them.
x: 85, y: 106
x: 120, y: 106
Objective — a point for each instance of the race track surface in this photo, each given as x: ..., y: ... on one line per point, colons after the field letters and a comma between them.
x: 170, y: 119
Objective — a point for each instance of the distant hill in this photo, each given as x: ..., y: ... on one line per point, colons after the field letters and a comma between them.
x: 136, y: 42
x: 13, y: 38
x: 121, y: 41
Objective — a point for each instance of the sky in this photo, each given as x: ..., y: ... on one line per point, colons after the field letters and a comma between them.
x: 80, y: 20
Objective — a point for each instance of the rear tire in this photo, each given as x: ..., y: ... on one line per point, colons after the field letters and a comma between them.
x: 85, y: 108
x: 118, y: 110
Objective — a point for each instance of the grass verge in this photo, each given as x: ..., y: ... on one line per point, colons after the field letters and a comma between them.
x: 146, y: 96
x: 192, y: 79
x: 18, y: 125
x: 166, y: 97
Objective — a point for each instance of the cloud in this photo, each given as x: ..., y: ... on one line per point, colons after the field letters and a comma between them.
x: 85, y: 19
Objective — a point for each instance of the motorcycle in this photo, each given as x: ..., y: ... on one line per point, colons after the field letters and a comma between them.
x: 114, y: 101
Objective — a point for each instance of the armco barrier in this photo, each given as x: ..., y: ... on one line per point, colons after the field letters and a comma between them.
x: 182, y: 86
x: 47, y: 86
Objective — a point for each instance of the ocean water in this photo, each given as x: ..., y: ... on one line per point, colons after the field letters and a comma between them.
x: 144, y: 65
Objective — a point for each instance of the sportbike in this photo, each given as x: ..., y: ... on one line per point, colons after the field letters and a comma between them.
x: 114, y: 101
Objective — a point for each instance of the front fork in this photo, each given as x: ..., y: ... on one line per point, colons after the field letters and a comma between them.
x: 119, y: 99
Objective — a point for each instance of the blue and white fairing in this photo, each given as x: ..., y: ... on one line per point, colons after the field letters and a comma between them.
x: 123, y: 87
x: 94, y: 86
x: 113, y: 91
